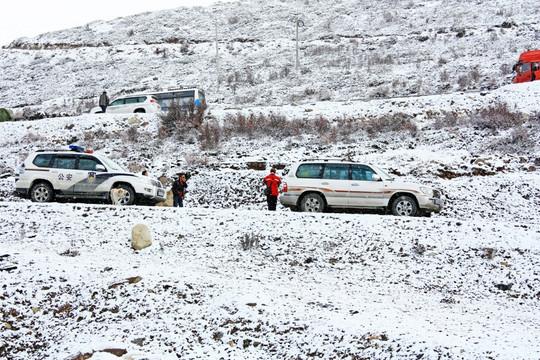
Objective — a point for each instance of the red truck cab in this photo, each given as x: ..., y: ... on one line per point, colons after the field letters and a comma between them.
x: 527, y: 68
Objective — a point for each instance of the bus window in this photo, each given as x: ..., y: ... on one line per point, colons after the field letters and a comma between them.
x: 183, y: 97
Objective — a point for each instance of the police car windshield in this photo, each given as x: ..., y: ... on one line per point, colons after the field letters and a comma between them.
x: 111, y: 164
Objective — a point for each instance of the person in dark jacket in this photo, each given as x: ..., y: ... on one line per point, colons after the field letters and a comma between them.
x: 179, y: 187
x: 272, y: 182
x: 103, y: 101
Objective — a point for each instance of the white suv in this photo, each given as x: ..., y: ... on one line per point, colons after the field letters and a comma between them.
x: 77, y: 174
x: 142, y: 103
x: 320, y: 184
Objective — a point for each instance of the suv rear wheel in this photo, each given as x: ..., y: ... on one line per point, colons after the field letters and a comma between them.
x: 41, y: 192
x: 312, y: 203
x: 404, y: 206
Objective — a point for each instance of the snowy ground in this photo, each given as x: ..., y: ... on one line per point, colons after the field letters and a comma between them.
x: 324, y: 286
x: 226, y: 279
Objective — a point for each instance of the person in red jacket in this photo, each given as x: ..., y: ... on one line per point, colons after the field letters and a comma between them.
x: 272, y: 182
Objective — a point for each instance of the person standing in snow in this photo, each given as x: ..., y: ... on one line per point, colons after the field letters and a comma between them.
x: 272, y: 182
x: 534, y: 69
x: 179, y: 190
x: 103, y: 101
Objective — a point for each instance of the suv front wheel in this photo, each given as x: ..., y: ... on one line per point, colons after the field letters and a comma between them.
x: 41, y: 192
x: 129, y: 195
x: 312, y: 203
x: 404, y: 206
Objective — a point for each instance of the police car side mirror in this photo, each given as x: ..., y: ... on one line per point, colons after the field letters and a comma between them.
x: 100, y: 167
x: 375, y: 177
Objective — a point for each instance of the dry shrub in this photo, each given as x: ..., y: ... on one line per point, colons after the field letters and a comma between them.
x: 496, y: 117
x: 329, y: 137
x: 209, y: 135
x: 132, y: 134
x: 253, y: 125
x: 519, y: 135
x: 391, y: 123
x: 194, y: 159
x: 348, y: 127
x: 250, y: 241
x: 241, y: 125
x: 321, y: 125
x: 183, y: 121
x: 277, y: 126
x: 447, y: 120
x: 517, y: 141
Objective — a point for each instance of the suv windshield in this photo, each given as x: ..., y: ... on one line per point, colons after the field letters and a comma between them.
x: 384, y: 174
x: 111, y: 164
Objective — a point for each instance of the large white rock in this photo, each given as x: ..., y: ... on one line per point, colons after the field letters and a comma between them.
x: 140, y: 237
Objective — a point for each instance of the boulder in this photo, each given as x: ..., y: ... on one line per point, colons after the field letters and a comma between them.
x: 140, y: 237
x: 135, y: 120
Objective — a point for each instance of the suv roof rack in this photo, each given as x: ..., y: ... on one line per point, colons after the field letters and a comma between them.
x: 53, y: 150
x: 74, y: 148
x: 183, y: 87
x: 328, y: 159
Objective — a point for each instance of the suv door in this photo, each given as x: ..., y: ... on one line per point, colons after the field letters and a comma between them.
x: 116, y: 106
x: 335, y: 184
x: 87, y: 183
x: 134, y: 103
x: 63, y: 171
x: 364, y: 191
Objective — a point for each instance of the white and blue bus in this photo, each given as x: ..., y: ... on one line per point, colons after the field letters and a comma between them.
x: 183, y: 97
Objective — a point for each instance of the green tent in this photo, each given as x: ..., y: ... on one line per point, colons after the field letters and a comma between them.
x: 6, y: 115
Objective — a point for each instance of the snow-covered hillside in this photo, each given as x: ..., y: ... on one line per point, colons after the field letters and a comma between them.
x: 226, y: 279
x: 347, y: 50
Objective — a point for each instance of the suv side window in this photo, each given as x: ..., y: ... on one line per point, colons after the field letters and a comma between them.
x: 117, y: 102
x: 336, y: 172
x: 135, y: 100
x: 362, y: 173
x: 64, y: 162
x: 43, y: 160
x: 309, y: 171
x: 87, y: 163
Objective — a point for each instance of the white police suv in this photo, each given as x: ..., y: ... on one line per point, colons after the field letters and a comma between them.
x: 47, y: 175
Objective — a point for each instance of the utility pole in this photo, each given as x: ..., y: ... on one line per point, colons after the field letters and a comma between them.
x: 217, y: 58
x: 298, y: 23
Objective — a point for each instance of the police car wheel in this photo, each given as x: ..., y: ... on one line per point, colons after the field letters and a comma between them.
x: 41, y: 192
x: 129, y: 195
